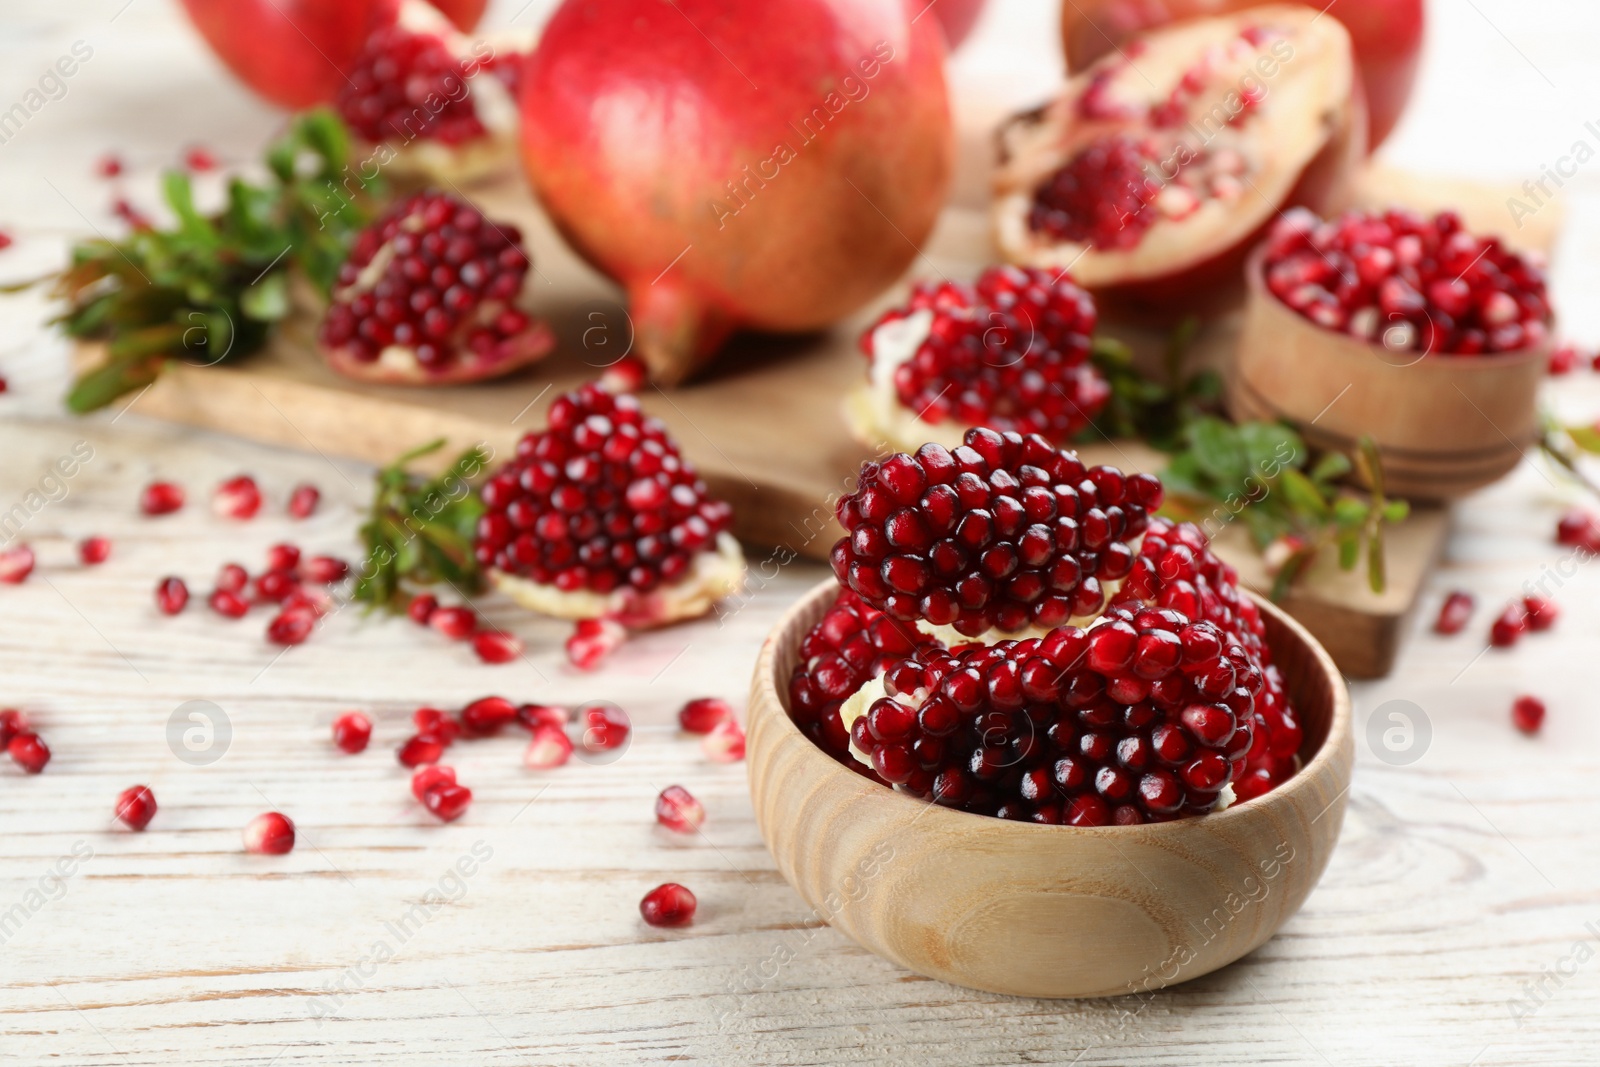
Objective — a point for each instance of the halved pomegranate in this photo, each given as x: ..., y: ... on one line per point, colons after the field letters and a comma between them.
x: 429, y: 297
x: 1158, y: 168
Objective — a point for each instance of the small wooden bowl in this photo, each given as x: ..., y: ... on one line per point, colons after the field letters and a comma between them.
x: 1046, y: 911
x: 1444, y: 425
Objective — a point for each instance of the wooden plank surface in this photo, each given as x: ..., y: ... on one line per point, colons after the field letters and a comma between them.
x: 1463, y: 888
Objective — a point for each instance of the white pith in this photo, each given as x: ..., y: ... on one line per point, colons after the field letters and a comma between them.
x: 873, y: 409
x: 712, y: 576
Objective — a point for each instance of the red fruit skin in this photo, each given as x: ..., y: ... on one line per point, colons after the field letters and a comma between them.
x: 634, y: 123
x: 29, y: 752
x: 292, y: 52
x: 668, y: 905
x: 464, y: 13
x: 956, y: 18
x: 1386, y: 35
x: 702, y: 715
x: 352, y: 731
x: 136, y: 806
x: 1527, y: 714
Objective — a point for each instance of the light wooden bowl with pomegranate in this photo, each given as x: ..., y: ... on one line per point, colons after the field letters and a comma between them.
x: 1444, y: 425
x: 1046, y: 911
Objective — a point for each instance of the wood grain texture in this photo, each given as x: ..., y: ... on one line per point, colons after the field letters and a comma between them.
x: 1046, y: 911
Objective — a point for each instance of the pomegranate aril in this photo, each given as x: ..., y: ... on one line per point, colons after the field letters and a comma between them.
x: 439, y: 725
x: 283, y: 557
x: 549, y: 748
x: 237, y: 498
x: 12, y: 723
x: 488, y: 715
x: 228, y: 604
x: 702, y: 715
x: 493, y: 646
x: 1508, y: 626
x: 110, y: 166
x: 1579, y: 528
x: 679, y: 811
x: 352, y: 731
x: 28, y: 750
x: 199, y: 160
x: 94, y: 550
x: 419, y: 750
x: 276, y: 586
x: 1541, y: 612
x: 456, y: 623
x: 291, y: 626
x: 725, y: 743
x: 1527, y: 714
x: 626, y: 375
x: 326, y: 570
x: 136, y: 806
x: 172, y: 596
x: 232, y: 578
x: 161, y: 498
x: 593, y: 640
x: 303, y: 501
x: 1454, y: 613
x: 16, y: 564
x: 422, y: 607
x: 271, y: 834
x: 533, y: 716
x: 668, y: 905
x: 605, y: 726
x: 431, y: 777
x: 447, y: 801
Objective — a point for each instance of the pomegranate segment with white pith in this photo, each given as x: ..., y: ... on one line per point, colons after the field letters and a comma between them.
x: 429, y: 296
x: 1009, y: 352
x: 1152, y: 174
x: 1408, y: 283
x: 600, y: 517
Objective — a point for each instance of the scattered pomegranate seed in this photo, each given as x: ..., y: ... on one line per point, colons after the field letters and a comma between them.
x: 29, y: 751
x: 679, y: 811
x: 237, y: 498
x: 725, y: 743
x: 457, y: 624
x: 352, y: 731
x: 274, y: 586
x: 422, y: 607
x: 1578, y: 527
x: 533, y: 716
x: 317, y: 601
x: 229, y: 604
x: 626, y: 375
x: 172, y: 596
x: 593, y: 640
x: 291, y: 627
x: 199, y: 160
x: 1454, y: 613
x: 124, y: 210
x: 283, y: 557
x: 668, y: 905
x: 271, y: 834
x: 419, y: 750
x: 327, y: 570
x: 16, y: 564
x: 1542, y: 612
x: 493, y: 646
x: 488, y: 715
x: 136, y: 806
x: 1527, y: 714
x: 431, y: 777
x: 94, y: 550
x: 110, y: 166
x: 439, y: 725
x: 6, y: 242
x: 303, y: 501
x: 1508, y: 626
x: 550, y: 748
x: 1563, y: 360
x: 702, y: 715
x: 161, y: 498
x: 12, y: 723
x: 605, y: 726
x: 232, y: 578
x: 447, y: 801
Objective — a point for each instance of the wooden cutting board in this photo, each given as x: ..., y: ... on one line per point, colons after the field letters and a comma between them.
x: 764, y: 426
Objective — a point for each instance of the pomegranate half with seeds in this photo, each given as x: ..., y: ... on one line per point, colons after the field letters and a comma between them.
x: 429, y: 296
x: 1010, y: 352
x: 599, y: 516
x: 1161, y: 164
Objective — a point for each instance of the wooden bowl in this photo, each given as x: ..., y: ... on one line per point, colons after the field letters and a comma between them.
x: 1444, y: 425
x: 1046, y: 911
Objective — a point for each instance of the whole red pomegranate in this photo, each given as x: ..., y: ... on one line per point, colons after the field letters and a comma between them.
x: 770, y: 165
x: 1386, y: 36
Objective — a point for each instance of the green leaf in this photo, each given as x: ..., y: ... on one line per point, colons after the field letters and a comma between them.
x: 1585, y: 437
x: 1270, y: 447
x: 1349, y: 549
x: 1330, y: 466
x: 268, y: 299
x: 105, y: 383
x: 1218, y: 451
x: 1303, y: 496
x: 1348, y: 512
x: 1396, y: 511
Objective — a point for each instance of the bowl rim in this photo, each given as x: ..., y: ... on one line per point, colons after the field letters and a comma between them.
x: 1434, y: 362
x: 1320, y: 765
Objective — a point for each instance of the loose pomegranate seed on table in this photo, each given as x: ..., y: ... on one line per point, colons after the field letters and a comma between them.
x: 679, y: 811
x: 668, y: 905
x: 549, y: 748
x: 271, y: 834
x: 419, y: 750
x: 422, y: 607
x: 172, y: 596
x: 437, y: 724
x: 199, y: 160
x: 1527, y: 714
x: 303, y: 501
x: 1541, y: 612
x: 1563, y: 360
x: 456, y: 623
x: 275, y: 586
x: 1454, y: 613
x: 1508, y: 626
x: 700, y: 716
x: 28, y: 750
x: 110, y: 166
x: 326, y: 570
x: 592, y: 640
x: 488, y: 715
x: 352, y: 731
x: 12, y: 723
x: 228, y: 604
x: 1578, y: 527
x: 237, y: 498
x: 431, y: 777
x: 291, y: 627
x: 493, y: 646
x: 283, y: 557
x: 447, y: 801
x: 136, y: 806
x: 232, y: 578
x: 16, y: 564
x: 724, y: 743
x: 605, y: 726
x: 94, y: 550
x: 161, y: 498
x: 533, y: 716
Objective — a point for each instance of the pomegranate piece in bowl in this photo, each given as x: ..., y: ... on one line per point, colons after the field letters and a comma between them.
x: 599, y: 516
x: 1433, y: 340
x: 1152, y: 175
x: 1010, y: 352
x: 429, y: 296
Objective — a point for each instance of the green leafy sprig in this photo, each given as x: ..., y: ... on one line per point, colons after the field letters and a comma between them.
x: 420, y: 530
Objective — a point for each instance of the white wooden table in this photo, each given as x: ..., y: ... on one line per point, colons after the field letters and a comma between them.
x: 1466, y: 882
